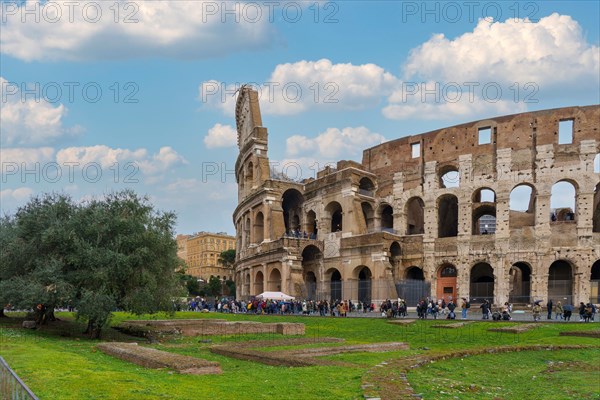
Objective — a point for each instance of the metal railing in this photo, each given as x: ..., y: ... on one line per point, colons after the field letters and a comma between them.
x: 11, y: 386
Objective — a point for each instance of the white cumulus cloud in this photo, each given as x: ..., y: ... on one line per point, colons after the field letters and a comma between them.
x: 30, y: 120
x: 221, y: 136
x: 296, y: 87
x: 122, y: 29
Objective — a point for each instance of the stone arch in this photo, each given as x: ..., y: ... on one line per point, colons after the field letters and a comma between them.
x: 484, y: 195
x: 274, y: 283
x: 247, y: 227
x: 395, y: 249
x: 259, y: 227
x: 259, y: 283
x: 449, y: 176
x: 415, y: 216
x: 595, y: 283
x: 446, y: 281
x: 247, y: 284
x: 291, y: 203
x: 311, y: 224
x: 386, y: 213
x: 447, y: 215
x: 484, y: 219
x: 364, y: 275
x: 334, y: 278
x: 482, y: 282
x: 560, y: 281
x: 596, y: 213
x: 366, y: 187
x: 414, y: 273
x: 563, y: 201
x: 519, y: 283
x: 522, y: 205
x: 369, y: 215
x: 334, y: 213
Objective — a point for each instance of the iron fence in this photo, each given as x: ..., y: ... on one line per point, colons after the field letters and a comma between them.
x: 11, y: 386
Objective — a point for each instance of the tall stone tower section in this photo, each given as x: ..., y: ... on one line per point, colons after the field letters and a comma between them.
x: 252, y: 165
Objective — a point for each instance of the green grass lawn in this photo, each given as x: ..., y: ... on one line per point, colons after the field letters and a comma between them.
x: 62, y: 364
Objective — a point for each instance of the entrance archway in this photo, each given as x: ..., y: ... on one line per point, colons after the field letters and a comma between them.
x: 446, y: 282
x: 595, y: 283
x: 519, y: 283
x: 335, y: 286
x: 482, y: 283
x: 364, y: 285
x: 259, y: 282
x: 275, y: 281
x: 560, y: 282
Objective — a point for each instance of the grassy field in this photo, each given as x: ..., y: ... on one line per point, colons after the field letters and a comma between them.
x: 57, y: 362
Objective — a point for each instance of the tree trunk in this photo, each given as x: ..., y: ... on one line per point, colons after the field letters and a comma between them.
x: 93, y: 330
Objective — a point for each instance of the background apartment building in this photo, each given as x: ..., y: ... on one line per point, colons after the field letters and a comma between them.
x: 201, y: 252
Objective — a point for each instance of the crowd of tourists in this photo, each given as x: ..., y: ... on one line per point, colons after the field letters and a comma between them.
x: 425, y: 308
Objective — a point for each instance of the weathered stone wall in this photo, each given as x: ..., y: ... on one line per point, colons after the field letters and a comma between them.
x: 377, y: 220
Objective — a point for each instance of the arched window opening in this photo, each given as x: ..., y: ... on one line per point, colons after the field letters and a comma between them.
x: 334, y: 211
x: 449, y: 177
x: 387, y: 219
x: 560, y: 282
x: 291, y: 202
x: 395, y: 250
x: 484, y: 195
x: 415, y: 216
x: 447, y: 216
x: 311, y: 224
x: 259, y: 230
x: 368, y: 215
x: 366, y: 187
x: 522, y: 206
x: 519, y: 283
x: 562, y: 202
x: 482, y: 283
x: 484, y: 220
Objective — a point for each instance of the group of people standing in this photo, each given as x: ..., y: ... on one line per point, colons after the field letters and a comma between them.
x: 587, y: 312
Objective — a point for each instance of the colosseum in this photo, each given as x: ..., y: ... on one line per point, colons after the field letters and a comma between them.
x: 465, y: 211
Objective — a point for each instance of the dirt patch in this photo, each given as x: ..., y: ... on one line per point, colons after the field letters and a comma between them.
x: 578, y: 366
x: 592, y: 334
x: 452, y: 325
x: 152, y: 358
x: 516, y: 329
x: 303, y: 357
x: 401, y: 321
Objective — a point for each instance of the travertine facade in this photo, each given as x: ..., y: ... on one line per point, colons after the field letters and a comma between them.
x: 406, y: 221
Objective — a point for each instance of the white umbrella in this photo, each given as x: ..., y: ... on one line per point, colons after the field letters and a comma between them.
x: 274, y: 296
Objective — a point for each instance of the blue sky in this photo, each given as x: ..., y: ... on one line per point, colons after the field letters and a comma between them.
x: 98, y: 96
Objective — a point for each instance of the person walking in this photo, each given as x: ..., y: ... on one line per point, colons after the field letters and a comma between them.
x: 567, y: 312
x: 465, y: 305
x: 485, y: 310
x: 549, y: 307
x: 559, y: 311
x: 537, y: 310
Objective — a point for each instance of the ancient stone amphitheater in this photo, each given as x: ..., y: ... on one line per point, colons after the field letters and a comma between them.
x: 505, y: 209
